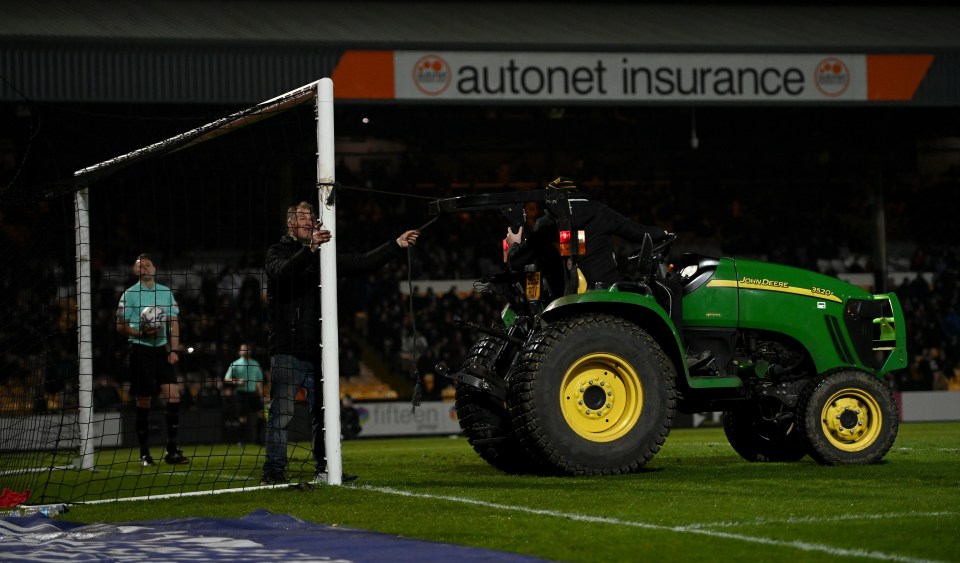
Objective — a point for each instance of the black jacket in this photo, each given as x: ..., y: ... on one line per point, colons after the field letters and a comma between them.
x: 599, y: 223
x: 293, y: 279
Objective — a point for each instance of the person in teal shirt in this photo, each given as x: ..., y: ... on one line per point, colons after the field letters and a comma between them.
x: 247, y: 377
x: 148, y: 316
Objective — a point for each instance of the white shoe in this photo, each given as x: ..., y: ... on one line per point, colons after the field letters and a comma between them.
x: 320, y: 478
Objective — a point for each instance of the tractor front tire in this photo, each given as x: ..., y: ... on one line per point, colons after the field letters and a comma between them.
x: 849, y: 417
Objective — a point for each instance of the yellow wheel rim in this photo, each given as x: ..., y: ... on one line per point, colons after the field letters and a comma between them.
x: 601, y: 397
x: 851, y: 419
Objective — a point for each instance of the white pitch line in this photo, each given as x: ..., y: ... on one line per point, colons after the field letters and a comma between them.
x: 803, y: 546
x: 139, y: 473
x: 815, y: 519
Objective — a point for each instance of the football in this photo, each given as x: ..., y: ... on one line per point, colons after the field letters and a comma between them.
x: 152, y: 317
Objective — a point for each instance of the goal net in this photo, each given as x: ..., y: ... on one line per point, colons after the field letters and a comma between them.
x: 204, y: 204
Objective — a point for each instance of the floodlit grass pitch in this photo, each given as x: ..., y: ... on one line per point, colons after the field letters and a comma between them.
x: 696, y: 499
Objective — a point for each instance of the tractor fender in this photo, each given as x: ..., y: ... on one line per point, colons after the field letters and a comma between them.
x: 639, y: 309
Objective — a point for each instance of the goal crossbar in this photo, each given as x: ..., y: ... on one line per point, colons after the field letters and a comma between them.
x: 207, y: 132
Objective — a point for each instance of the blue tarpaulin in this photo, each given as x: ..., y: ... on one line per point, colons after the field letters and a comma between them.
x: 258, y: 536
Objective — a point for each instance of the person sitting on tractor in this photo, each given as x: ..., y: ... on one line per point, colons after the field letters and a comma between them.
x: 598, y: 264
x: 597, y: 220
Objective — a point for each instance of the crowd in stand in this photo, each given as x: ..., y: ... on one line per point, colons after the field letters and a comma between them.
x: 932, y: 311
x: 375, y: 312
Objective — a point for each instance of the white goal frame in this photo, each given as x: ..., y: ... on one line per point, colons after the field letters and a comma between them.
x: 321, y: 92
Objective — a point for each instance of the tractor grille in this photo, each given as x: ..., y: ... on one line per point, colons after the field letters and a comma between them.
x: 871, y: 328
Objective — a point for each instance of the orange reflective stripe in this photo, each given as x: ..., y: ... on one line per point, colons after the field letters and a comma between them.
x: 364, y: 75
x: 895, y: 77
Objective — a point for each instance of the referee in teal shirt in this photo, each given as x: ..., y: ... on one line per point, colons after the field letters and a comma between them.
x: 152, y: 355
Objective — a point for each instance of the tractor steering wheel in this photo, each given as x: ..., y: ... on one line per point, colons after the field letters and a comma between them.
x: 658, y: 247
x: 650, y: 256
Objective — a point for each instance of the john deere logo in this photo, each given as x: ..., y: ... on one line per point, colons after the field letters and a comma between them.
x: 432, y: 75
x: 832, y: 77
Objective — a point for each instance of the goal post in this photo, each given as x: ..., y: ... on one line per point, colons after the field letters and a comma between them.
x: 326, y: 204
x: 91, y: 285
x: 84, y: 331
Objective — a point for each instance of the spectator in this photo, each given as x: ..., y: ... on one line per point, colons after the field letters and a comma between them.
x: 247, y: 378
x: 349, y: 419
x: 106, y: 396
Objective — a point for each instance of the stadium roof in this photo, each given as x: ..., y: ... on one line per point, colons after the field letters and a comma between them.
x: 243, y: 51
x: 492, y: 24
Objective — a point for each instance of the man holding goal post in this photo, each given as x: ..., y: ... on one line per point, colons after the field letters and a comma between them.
x: 293, y: 276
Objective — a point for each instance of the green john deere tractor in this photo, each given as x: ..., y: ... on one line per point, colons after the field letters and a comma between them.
x: 588, y: 382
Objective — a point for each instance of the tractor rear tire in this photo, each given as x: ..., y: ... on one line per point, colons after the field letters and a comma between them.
x: 484, y: 419
x: 761, y: 439
x: 593, y: 395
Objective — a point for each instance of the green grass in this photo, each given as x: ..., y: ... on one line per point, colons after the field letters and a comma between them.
x: 697, y: 499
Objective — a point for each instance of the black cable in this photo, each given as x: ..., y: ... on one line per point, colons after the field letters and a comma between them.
x: 418, y: 387
x: 385, y: 192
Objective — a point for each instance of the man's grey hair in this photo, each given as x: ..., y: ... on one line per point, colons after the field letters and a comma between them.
x: 292, y: 210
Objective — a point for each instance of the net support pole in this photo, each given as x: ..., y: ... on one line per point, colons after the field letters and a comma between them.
x: 84, y: 330
x: 879, y: 237
x: 329, y: 328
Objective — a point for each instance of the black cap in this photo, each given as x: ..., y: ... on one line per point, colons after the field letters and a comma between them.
x: 562, y: 183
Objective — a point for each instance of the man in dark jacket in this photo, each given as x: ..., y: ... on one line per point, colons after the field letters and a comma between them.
x: 293, y: 278
x: 598, y: 265
x: 597, y: 220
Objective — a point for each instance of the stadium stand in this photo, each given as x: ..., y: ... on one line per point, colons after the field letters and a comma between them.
x: 374, y: 312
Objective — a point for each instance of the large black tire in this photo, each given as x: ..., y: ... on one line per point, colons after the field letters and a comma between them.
x: 485, y: 420
x: 849, y: 417
x: 759, y: 436
x: 592, y: 395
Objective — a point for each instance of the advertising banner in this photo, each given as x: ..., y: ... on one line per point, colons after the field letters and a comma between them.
x: 467, y: 76
x: 399, y: 419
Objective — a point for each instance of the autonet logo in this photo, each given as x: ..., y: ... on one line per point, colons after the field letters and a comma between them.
x: 832, y: 77
x: 431, y: 74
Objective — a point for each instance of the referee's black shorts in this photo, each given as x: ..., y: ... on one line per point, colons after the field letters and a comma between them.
x: 149, y: 370
x: 248, y: 402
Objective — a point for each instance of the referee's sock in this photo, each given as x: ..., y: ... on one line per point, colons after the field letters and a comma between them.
x: 173, y: 425
x: 142, y: 426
